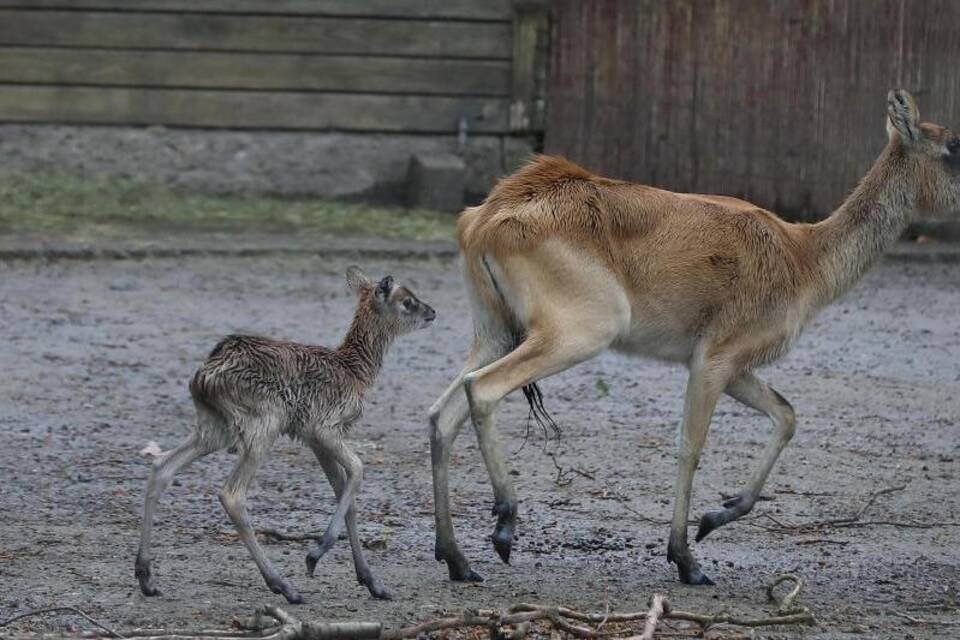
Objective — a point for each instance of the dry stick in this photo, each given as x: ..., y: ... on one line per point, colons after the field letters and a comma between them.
x: 658, y: 607
x: 54, y: 609
x: 565, y: 476
x: 851, y: 521
x: 273, y: 623
x: 291, y: 537
x: 468, y: 619
x: 942, y: 623
x: 786, y: 605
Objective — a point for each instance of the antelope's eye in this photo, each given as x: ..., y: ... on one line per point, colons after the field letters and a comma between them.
x: 408, y: 304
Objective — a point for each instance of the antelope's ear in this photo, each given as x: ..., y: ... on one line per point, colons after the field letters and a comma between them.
x: 357, y: 281
x: 902, y: 116
x: 384, y: 288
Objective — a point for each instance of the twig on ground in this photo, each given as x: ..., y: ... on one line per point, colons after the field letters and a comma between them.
x: 941, y: 623
x: 514, y: 623
x: 658, y: 607
x: 849, y: 522
x: 565, y: 476
x: 842, y: 543
x: 786, y: 604
x: 290, y: 537
x: 83, y: 615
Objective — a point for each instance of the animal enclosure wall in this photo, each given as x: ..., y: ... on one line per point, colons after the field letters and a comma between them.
x: 288, y: 64
x: 781, y: 102
x: 363, y: 84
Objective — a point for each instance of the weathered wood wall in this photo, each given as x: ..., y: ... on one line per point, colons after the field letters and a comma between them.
x: 778, y: 101
x: 350, y: 65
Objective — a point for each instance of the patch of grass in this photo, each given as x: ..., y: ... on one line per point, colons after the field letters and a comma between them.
x: 59, y: 204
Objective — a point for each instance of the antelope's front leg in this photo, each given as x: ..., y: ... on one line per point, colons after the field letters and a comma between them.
x: 338, y: 452
x: 749, y: 390
x: 707, y: 380
x: 338, y: 481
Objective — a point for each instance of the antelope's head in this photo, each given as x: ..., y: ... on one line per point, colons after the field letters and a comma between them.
x: 394, y: 306
x: 933, y: 153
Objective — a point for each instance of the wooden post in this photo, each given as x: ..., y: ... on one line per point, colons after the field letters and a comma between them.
x: 531, y: 35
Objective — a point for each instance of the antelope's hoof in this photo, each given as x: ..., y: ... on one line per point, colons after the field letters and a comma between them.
x: 292, y: 595
x: 694, y: 576
x: 711, y: 520
x: 462, y: 572
x: 457, y: 564
x: 314, y: 555
x: 503, y: 543
x: 686, y: 566
x: 376, y: 588
x: 733, y: 508
x: 145, y: 577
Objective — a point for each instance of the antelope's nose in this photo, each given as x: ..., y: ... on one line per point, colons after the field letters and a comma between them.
x: 430, y: 314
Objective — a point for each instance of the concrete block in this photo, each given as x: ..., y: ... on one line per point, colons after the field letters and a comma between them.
x: 436, y: 181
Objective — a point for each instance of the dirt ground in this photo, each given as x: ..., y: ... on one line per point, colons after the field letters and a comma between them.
x: 96, y: 356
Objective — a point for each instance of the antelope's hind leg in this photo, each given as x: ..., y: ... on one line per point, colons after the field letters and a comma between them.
x: 233, y: 497
x: 447, y: 416
x: 542, y: 354
x: 337, y: 477
x: 163, y: 470
x: 339, y: 453
x: 754, y: 393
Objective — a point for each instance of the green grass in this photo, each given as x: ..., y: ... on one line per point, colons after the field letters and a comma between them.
x: 64, y: 205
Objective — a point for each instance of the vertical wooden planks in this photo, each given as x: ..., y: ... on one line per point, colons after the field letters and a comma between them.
x: 778, y: 101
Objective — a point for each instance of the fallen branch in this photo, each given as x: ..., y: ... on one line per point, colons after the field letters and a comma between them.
x: 514, y: 623
x: 83, y: 615
x: 658, y: 607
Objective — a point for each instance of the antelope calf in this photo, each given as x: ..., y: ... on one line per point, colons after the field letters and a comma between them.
x: 561, y: 264
x: 251, y: 389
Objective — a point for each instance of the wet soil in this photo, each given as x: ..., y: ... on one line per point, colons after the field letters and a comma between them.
x: 96, y: 356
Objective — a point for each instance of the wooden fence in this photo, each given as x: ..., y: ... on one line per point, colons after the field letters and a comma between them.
x: 781, y: 102
x: 422, y: 66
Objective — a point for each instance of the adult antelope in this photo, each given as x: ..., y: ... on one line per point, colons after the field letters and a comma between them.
x: 561, y: 264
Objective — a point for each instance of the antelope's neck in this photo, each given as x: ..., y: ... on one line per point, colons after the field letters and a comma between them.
x: 364, y: 348
x: 867, y: 224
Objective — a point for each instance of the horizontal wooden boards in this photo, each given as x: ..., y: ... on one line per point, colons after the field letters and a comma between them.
x: 202, y: 69
x: 430, y: 38
x: 245, y: 109
x: 456, y: 9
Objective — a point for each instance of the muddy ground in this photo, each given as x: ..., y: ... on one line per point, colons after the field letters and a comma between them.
x: 96, y: 356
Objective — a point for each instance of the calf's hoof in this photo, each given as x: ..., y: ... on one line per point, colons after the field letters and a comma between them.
x: 145, y: 577
x: 314, y: 555
x: 502, y: 540
x: 292, y: 595
x: 311, y: 563
x: 376, y: 588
